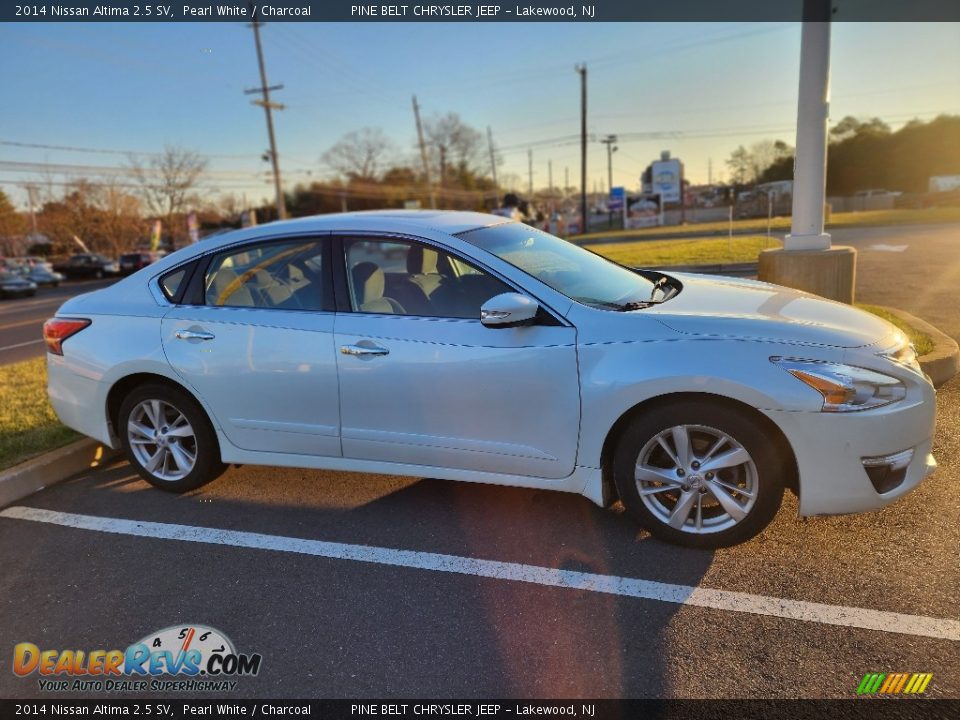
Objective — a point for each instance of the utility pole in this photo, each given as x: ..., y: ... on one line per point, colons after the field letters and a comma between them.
x: 566, y: 179
x: 709, y: 171
x: 423, y: 154
x: 609, y: 141
x: 550, y: 175
x: 530, y: 173
x: 493, y: 167
x: 31, y: 197
x: 268, y: 107
x: 582, y: 70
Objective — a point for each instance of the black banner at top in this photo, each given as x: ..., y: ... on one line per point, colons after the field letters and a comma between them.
x: 488, y: 11
x: 411, y: 709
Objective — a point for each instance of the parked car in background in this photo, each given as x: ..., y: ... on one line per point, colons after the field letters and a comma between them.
x: 131, y: 262
x: 88, y: 265
x: 43, y: 275
x: 15, y: 285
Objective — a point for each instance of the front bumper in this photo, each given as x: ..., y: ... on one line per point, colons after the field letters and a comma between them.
x: 830, y: 450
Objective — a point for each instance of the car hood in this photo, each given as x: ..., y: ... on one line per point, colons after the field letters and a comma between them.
x: 747, y: 309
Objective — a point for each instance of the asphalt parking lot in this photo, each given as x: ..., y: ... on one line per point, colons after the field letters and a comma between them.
x: 352, y: 624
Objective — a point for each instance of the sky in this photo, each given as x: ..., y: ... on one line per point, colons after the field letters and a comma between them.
x: 699, y: 89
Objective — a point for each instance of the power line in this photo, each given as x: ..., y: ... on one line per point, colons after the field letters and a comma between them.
x: 100, y: 151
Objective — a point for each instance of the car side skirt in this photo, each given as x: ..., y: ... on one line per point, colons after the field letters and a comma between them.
x: 584, y: 481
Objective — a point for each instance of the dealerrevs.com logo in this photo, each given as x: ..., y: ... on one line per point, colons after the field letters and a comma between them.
x: 186, y: 658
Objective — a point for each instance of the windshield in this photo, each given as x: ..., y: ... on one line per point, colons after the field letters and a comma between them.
x: 577, y: 273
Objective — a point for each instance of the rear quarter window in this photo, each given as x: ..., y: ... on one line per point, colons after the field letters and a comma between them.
x: 171, y: 283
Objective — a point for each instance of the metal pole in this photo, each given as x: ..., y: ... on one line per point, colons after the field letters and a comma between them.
x: 582, y: 69
x: 530, y: 173
x: 268, y: 109
x: 609, y: 140
x: 493, y: 167
x: 813, y: 106
x: 423, y: 154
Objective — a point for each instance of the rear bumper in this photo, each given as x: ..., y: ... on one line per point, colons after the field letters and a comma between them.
x: 75, y: 400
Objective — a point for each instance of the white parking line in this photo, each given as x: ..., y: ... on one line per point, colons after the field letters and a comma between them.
x: 890, y: 622
x: 20, y: 345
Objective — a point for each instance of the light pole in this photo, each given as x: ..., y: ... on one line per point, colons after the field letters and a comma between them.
x: 582, y: 71
x: 609, y: 141
x: 808, y: 260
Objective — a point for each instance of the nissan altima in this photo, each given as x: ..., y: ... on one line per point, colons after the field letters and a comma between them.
x: 471, y: 347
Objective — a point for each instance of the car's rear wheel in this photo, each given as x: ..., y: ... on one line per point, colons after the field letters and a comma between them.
x: 168, y: 439
x: 699, y: 474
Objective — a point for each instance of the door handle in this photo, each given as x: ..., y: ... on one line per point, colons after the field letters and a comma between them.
x: 193, y: 335
x: 362, y: 350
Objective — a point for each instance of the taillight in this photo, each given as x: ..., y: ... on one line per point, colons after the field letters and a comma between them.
x: 56, y: 330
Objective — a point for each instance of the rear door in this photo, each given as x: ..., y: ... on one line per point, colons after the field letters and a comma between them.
x: 254, y: 339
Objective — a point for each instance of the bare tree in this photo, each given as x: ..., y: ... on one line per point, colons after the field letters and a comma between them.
x: 168, y: 184
x: 765, y: 153
x: 740, y: 164
x: 360, y: 155
x: 457, y: 146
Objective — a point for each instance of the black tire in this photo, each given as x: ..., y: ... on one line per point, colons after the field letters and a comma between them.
x: 764, y: 480
x: 98, y: 274
x: 207, y: 465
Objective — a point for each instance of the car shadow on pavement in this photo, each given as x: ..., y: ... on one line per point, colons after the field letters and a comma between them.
x: 442, y: 634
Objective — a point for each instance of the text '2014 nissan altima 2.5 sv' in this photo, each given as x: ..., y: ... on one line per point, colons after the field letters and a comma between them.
x: 470, y: 347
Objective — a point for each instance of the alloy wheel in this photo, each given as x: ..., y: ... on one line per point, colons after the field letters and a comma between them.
x: 162, y: 440
x: 696, y: 479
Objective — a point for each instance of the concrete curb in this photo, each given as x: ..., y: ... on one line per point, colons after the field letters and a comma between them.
x: 943, y: 362
x: 51, y: 468
x: 730, y: 269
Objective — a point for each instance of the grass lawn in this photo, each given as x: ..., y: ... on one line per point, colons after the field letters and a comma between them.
x: 28, y: 426
x: 688, y: 251
x: 921, y: 341
x: 868, y: 217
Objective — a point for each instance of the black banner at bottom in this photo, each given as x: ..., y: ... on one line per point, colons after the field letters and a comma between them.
x: 866, y: 708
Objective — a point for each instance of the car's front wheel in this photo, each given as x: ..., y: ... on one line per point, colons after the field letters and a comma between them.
x: 168, y: 439
x: 699, y: 474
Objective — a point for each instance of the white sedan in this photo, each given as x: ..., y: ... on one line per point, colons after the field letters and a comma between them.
x: 471, y: 347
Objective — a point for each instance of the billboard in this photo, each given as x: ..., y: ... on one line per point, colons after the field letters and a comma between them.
x: 666, y: 177
x: 644, y: 212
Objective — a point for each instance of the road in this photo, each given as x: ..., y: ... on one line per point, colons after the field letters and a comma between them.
x: 914, y: 268
x: 21, y: 320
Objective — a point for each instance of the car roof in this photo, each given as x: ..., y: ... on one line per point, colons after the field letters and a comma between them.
x: 385, y: 221
x: 450, y: 222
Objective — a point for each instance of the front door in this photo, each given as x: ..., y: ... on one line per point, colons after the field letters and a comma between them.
x: 423, y: 382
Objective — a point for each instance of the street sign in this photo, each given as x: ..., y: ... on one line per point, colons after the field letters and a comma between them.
x: 618, y: 197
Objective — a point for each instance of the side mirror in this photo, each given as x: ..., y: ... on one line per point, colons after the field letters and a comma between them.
x: 508, y: 310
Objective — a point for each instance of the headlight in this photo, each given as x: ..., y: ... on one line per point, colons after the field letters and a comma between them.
x: 845, y: 388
